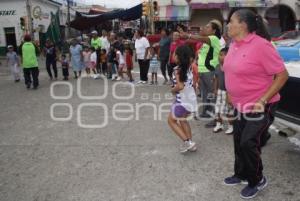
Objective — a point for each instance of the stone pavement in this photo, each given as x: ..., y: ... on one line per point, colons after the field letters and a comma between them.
x: 135, y: 160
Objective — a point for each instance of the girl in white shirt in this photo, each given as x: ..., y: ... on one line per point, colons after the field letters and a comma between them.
x: 121, y: 62
x: 93, y: 60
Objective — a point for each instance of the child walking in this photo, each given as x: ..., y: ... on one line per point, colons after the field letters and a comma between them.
x: 87, y: 59
x: 223, y: 110
x: 93, y: 60
x: 103, y: 62
x: 129, y: 62
x: 154, y: 65
x: 121, y: 63
x: 185, y: 102
x: 13, y: 62
x: 65, y: 67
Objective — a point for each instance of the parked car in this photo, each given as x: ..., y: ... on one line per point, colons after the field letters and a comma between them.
x: 289, y: 50
x: 287, y: 35
x: 289, y: 109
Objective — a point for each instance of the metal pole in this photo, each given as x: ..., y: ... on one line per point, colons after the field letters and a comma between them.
x: 68, y: 19
x: 28, y: 8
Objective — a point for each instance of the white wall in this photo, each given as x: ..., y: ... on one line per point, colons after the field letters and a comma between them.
x: 20, y: 7
x: 11, y: 21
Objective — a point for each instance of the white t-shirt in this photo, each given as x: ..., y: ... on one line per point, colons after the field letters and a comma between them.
x: 94, y: 57
x: 105, y: 43
x: 121, y: 57
x: 140, y: 47
x: 222, y: 43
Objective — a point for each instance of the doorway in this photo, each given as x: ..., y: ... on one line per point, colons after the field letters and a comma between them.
x: 10, y: 36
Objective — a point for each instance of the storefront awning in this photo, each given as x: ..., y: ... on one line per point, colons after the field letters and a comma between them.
x: 222, y: 4
x: 250, y: 3
x: 209, y: 5
x: 174, y: 13
x: 86, y: 21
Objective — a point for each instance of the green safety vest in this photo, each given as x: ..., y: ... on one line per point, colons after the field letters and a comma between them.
x: 96, y: 43
x: 29, y: 55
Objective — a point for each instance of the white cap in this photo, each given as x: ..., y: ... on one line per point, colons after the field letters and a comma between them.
x: 94, y: 32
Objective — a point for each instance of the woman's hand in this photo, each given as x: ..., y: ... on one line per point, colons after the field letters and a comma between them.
x: 258, y: 107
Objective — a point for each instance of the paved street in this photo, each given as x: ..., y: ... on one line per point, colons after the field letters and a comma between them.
x: 136, y: 160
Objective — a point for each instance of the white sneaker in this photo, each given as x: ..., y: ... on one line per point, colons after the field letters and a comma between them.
x: 218, y: 127
x: 229, y: 130
x: 144, y: 82
x: 139, y: 82
x: 194, y: 147
x: 118, y: 78
x: 187, y: 146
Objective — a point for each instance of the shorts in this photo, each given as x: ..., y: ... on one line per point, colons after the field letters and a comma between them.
x: 178, y: 111
x: 221, y: 106
x: 87, y: 64
x: 153, y: 69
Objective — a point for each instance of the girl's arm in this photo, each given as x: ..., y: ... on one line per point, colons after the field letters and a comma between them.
x: 188, y: 36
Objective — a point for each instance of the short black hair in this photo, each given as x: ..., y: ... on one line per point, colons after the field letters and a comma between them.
x: 225, y: 50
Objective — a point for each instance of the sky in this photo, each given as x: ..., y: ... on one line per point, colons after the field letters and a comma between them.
x: 112, y: 3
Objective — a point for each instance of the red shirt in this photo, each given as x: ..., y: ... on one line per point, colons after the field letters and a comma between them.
x: 129, y: 62
x: 250, y: 66
x: 173, y: 47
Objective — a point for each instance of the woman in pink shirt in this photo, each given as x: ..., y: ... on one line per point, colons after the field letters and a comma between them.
x: 254, y: 74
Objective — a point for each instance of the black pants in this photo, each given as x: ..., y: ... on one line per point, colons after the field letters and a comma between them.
x: 103, y: 67
x: 98, y: 51
x: 247, y: 143
x: 65, y: 72
x: 52, y: 63
x: 144, y: 68
x: 171, y: 66
x: 31, y: 72
x: 163, y: 66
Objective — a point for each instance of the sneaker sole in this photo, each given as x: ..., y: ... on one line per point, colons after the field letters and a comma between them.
x: 193, y: 149
x: 184, y: 151
x: 263, y: 187
x: 218, y: 131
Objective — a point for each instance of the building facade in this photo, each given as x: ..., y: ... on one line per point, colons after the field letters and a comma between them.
x: 280, y: 15
x: 11, y: 12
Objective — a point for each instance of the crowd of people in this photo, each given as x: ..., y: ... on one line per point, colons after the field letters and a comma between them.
x: 238, y: 85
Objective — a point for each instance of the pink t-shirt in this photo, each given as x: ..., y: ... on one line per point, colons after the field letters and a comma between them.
x: 173, y: 47
x: 250, y: 66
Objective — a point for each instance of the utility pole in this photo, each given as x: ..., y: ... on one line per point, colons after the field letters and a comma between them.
x: 68, y: 19
x: 29, y: 17
x: 151, y: 16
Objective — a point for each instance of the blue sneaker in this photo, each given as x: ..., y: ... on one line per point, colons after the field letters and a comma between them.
x: 233, y: 180
x: 250, y: 192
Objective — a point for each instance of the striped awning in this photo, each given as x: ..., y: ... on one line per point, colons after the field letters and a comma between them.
x: 174, y: 13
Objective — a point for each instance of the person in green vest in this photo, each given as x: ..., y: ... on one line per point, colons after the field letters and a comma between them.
x: 208, y: 60
x: 29, y: 52
x: 96, y: 42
